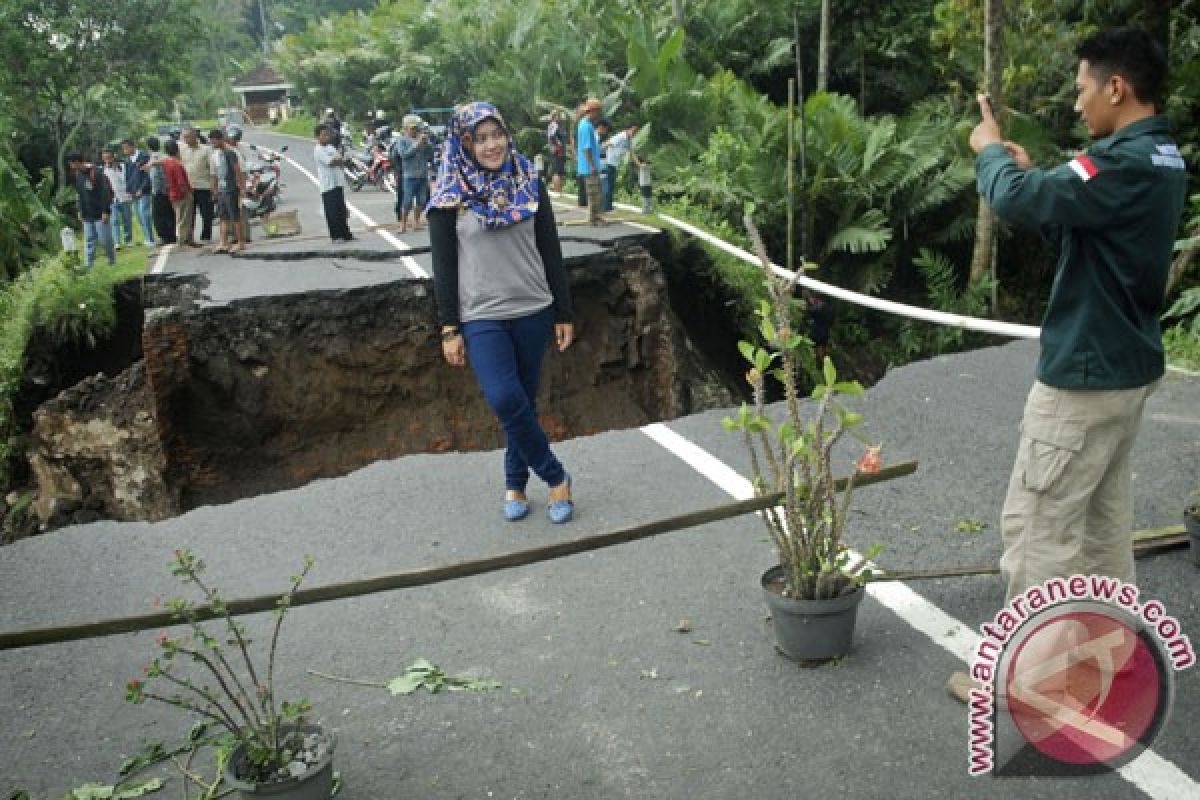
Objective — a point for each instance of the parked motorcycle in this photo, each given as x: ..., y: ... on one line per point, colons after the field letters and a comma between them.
x: 380, y: 172
x: 262, y: 183
x: 356, y: 168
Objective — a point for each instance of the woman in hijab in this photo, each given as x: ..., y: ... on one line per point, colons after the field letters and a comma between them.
x: 501, y: 290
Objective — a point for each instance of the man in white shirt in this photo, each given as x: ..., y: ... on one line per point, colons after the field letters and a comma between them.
x: 195, y: 158
x: 331, y: 184
x: 618, y: 148
x: 122, y: 209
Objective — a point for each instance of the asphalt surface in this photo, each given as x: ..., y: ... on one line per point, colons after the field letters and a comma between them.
x: 601, y: 698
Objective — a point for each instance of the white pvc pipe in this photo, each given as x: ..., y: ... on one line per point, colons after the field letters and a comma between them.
x: 913, y: 312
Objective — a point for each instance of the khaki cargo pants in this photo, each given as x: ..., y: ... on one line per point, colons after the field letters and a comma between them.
x: 1069, y: 508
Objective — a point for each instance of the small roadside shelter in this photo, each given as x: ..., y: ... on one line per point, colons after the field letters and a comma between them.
x: 262, y: 89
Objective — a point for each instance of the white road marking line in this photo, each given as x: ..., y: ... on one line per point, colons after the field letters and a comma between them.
x: 1149, y: 772
x: 639, y: 226
x: 409, y: 262
x: 160, y: 263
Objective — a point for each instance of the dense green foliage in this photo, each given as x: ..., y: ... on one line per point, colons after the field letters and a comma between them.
x: 65, y: 305
x: 29, y: 220
x: 885, y: 200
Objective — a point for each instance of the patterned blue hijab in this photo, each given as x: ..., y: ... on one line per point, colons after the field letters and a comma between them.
x: 501, y: 198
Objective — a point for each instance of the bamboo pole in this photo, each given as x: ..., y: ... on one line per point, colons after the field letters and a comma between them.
x: 424, y: 577
x: 1145, y: 543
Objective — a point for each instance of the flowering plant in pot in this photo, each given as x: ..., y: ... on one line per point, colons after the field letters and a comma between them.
x: 275, y: 750
x: 813, y: 593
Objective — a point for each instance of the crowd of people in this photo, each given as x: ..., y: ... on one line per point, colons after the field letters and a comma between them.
x: 599, y: 156
x: 163, y: 187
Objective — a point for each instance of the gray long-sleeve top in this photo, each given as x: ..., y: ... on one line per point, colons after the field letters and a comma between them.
x: 497, y: 274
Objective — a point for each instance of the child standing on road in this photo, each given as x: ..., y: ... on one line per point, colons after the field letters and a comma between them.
x: 646, y: 186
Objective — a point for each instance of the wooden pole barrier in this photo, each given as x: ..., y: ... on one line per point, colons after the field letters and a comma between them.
x: 425, y: 577
x: 1145, y: 543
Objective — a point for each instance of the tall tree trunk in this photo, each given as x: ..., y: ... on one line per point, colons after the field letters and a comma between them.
x: 803, y: 136
x: 993, y: 24
x: 862, y: 74
x: 823, y: 49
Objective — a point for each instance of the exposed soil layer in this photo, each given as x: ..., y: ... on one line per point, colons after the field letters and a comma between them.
x: 269, y: 393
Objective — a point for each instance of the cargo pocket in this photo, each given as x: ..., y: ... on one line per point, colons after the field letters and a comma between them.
x: 1051, y: 444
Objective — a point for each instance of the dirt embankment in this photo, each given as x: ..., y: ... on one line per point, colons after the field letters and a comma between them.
x: 270, y: 393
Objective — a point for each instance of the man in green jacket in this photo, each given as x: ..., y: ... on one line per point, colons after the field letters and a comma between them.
x: 1114, y: 210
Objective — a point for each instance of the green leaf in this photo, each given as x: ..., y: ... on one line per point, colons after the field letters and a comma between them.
x: 767, y: 330
x: 407, y: 683
x: 748, y: 351
x: 97, y: 791
x: 849, y: 388
x: 852, y: 418
x: 830, y: 372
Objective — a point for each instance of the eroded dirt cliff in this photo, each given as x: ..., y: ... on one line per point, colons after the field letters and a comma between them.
x: 264, y: 394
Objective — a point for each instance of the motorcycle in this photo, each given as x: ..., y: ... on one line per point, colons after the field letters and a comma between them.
x: 355, y: 168
x: 380, y: 172
x: 262, y: 183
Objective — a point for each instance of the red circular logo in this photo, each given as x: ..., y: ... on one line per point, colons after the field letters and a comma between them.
x: 1085, y: 687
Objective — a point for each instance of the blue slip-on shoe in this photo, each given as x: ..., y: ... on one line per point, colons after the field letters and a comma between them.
x: 515, y: 510
x: 561, y: 511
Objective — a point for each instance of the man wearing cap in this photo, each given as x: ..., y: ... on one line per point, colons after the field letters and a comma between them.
x: 588, y: 162
x: 415, y: 153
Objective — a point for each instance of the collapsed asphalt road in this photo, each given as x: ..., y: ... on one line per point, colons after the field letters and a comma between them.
x: 601, y: 697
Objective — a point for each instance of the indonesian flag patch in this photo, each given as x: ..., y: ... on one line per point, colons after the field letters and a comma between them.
x: 1084, y: 167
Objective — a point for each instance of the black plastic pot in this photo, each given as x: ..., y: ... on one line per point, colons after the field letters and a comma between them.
x: 1191, y: 521
x: 811, y: 630
x: 316, y: 784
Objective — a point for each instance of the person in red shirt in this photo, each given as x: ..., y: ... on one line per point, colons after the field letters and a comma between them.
x: 178, y: 187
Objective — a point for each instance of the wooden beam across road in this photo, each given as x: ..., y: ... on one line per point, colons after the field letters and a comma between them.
x: 424, y: 577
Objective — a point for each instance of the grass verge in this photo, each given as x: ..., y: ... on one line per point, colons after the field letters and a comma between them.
x: 66, y: 302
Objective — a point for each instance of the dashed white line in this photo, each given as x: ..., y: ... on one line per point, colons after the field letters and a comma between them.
x: 1149, y: 772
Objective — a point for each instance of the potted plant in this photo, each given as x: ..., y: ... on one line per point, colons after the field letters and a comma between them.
x: 812, y: 594
x: 275, y: 751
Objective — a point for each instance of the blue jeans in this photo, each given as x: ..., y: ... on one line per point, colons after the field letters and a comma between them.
x: 144, y: 208
x: 94, y: 229
x: 122, y: 216
x: 506, y: 356
x: 416, y: 192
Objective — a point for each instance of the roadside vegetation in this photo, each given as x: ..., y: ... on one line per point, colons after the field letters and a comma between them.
x: 297, y: 125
